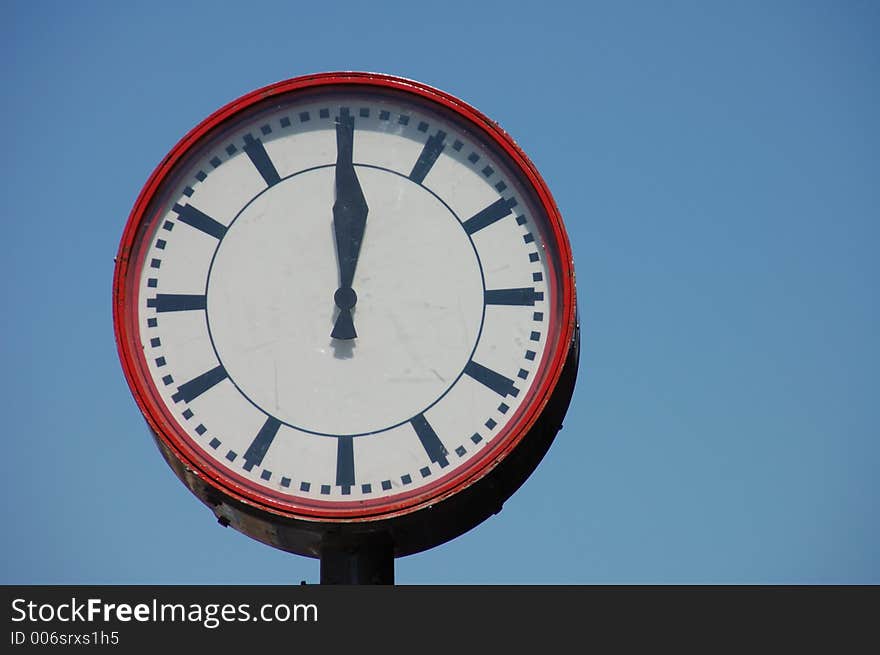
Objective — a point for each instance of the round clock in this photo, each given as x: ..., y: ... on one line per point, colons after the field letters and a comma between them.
x: 345, y: 305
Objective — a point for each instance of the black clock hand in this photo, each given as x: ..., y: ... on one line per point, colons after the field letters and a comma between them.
x: 349, y: 220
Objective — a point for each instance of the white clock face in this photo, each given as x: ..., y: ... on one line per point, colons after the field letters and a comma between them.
x: 346, y: 297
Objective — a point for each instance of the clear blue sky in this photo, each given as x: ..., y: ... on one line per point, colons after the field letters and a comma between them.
x: 718, y: 168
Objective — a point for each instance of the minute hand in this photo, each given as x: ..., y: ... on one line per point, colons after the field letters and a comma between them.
x: 349, y: 220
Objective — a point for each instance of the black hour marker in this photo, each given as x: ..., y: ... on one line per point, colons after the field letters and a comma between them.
x: 494, y: 212
x: 495, y: 381
x: 260, y: 159
x: 522, y: 296
x: 344, y: 462
x: 433, y: 147
x: 200, y: 220
x: 257, y: 450
x: 176, y: 302
x: 430, y: 441
x: 199, y: 385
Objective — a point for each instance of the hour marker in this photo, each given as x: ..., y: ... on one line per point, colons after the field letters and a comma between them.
x: 430, y: 441
x: 433, y: 147
x: 260, y: 159
x: 257, y: 450
x: 344, y: 462
x: 199, y: 385
x: 520, y: 296
x: 200, y: 220
x: 176, y: 302
x: 495, y: 381
x: 494, y: 212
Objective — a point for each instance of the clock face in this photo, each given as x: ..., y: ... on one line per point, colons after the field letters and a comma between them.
x: 345, y: 298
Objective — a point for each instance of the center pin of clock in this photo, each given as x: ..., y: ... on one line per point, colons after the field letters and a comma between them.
x: 345, y: 298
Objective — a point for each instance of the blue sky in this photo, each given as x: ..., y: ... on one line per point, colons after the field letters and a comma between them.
x: 717, y: 167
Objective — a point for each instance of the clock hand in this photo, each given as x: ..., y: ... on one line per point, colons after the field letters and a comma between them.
x: 349, y: 220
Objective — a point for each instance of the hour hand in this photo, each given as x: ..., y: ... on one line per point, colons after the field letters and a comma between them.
x: 349, y: 221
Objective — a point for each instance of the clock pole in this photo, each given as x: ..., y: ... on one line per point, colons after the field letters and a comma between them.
x: 357, y: 561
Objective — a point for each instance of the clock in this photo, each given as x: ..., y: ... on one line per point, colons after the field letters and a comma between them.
x: 345, y: 305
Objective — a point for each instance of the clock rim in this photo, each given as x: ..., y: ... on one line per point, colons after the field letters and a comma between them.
x: 158, y: 415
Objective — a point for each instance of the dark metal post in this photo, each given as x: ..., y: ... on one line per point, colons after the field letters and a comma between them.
x: 359, y: 562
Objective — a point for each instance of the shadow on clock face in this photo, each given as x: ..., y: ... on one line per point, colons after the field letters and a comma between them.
x: 343, y: 348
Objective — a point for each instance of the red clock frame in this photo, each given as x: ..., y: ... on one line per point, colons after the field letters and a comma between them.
x: 412, y: 520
